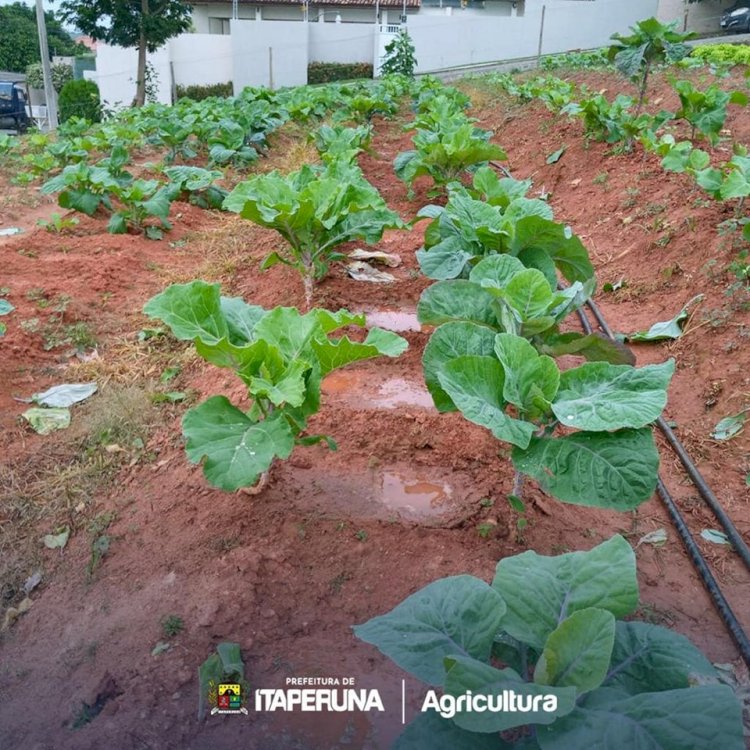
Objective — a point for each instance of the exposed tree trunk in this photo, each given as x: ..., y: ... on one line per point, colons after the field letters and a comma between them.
x: 140, y: 91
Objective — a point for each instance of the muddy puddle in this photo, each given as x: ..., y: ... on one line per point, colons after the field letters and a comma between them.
x: 360, y: 389
x: 413, y: 495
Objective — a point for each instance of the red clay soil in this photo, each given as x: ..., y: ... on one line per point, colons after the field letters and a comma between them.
x: 338, y: 537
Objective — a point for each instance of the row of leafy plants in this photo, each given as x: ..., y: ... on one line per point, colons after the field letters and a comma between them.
x: 583, y: 433
x: 143, y: 204
x: 282, y: 355
x: 622, y: 121
x: 546, y: 626
x: 230, y: 131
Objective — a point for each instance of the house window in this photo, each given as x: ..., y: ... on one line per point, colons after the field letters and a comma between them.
x: 218, y: 25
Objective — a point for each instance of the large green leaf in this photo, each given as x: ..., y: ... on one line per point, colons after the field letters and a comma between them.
x: 340, y: 352
x: 540, y: 592
x: 445, y: 260
x: 191, y: 310
x: 241, y: 319
x: 449, y: 341
x: 289, y: 388
x: 648, y: 658
x: 475, y: 385
x: 693, y: 719
x: 453, y: 616
x: 235, y: 450
x: 598, y: 396
x: 595, y: 347
x: 529, y: 294
x: 456, y: 300
x: 531, y: 380
x: 565, y: 249
x: 466, y: 674
x: 614, y: 470
x: 496, y: 271
x: 577, y: 653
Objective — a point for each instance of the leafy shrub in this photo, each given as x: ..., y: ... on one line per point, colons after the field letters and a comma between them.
x: 552, y: 626
x: 315, y: 210
x: 650, y: 43
x: 324, y: 72
x: 281, y: 356
x: 199, y: 93
x: 399, y: 56
x: 446, y: 154
x: 706, y: 110
x: 337, y: 143
x: 491, y: 357
x: 729, y: 54
x: 61, y: 74
x: 80, y: 99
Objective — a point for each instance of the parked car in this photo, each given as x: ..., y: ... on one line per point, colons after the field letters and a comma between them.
x: 737, y: 18
x: 13, y: 114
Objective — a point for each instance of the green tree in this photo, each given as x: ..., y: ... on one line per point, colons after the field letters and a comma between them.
x: 143, y: 24
x: 19, y: 40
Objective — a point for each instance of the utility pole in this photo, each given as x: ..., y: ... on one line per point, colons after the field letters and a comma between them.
x: 50, y: 97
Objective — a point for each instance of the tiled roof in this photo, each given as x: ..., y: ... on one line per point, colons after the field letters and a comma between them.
x: 347, y: 3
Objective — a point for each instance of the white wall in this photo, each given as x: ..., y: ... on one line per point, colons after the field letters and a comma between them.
x: 472, y: 36
x: 701, y: 17
x: 116, y: 73
x: 251, y: 42
x: 341, y: 42
x: 201, y: 59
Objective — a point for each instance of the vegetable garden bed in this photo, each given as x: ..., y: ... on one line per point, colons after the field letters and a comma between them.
x: 336, y: 538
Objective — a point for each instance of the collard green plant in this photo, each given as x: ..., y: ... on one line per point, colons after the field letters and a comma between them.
x: 504, y: 221
x: 706, y: 111
x: 139, y: 202
x: 280, y: 355
x: 340, y: 143
x: 197, y: 185
x: 229, y: 143
x: 552, y: 626
x: 399, y: 56
x: 447, y: 153
x: 650, y: 43
x: 491, y: 357
x: 315, y: 210
x: 83, y: 188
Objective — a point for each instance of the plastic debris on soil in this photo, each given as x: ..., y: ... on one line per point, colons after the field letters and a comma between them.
x: 361, y: 271
x: 387, y: 259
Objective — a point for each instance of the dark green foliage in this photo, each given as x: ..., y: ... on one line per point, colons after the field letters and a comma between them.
x: 323, y: 72
x: 199, y: 93
x: 399, y: 56
x: 127, y: 23
x: 80, y: 99
x: 19, y: 42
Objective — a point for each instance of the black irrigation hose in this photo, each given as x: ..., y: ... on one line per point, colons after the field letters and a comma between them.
x: 709, y: 581
x: 692, y: 470
x: 711, y: 584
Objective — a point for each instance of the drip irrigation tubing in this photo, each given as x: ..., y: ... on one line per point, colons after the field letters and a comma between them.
x: 696, y: 556
x: 692, y: 470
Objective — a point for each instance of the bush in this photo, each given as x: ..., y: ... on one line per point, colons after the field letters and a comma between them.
x: 198, y: 93
x: 61, y: 74
x: 399, y: 56
x: 80, y: 99
x: 730, y: 54
x: 320, y: 72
